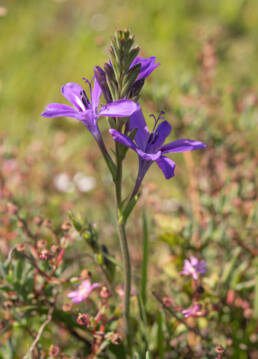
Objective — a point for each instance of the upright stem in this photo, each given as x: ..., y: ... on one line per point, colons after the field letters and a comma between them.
x: 124, y: 249
x: 119, y: 175
x: 105, y: 153
x: 127, y: 281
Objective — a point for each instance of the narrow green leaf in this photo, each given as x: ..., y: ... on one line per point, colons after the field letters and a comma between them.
x: 129, y: 208
x: 145, y: 255
x: 160, y: 336
x: 229, y: 268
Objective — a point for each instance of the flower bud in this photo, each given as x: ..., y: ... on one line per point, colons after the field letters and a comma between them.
x: 66, y: 226
x: 105, y: 293
x: 85, y: 274
x: 67, y: 307
x: 101, y: 78
x: 83, y: 319
x: 21, y: 247
x: 41, y: 243
x: 54, y: 351
x: 12, y: 209
x: 116, y: 339
x: 220, y: 349
x: 136, y: 88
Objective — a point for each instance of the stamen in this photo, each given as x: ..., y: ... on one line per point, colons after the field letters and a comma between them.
x: 87, y: 82
x: 85, y: 99
x: 160, y: 117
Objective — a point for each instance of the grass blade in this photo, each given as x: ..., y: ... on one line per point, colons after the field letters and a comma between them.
x: 145, y: 254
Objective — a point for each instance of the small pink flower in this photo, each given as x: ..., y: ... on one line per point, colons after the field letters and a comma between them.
x: 194, y: 311
x: 193, y: 267
x: 83, y: 291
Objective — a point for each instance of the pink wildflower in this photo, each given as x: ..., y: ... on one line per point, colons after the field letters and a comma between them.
x: 193, y: 266
x: 83, y: 291
x: 194, y: 311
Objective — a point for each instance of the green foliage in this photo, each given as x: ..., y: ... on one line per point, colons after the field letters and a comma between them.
x: 207, y: 85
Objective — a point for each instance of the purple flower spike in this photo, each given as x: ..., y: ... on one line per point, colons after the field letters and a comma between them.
x: 88, y: 111
x: 193, y: 267
x: 147, y: 66
x: 83, y: 291
x: 149, y: 146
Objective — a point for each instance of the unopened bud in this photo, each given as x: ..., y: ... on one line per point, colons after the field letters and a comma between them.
x: 167, y: 301
x: 66, y: 226
x: 41, y: 243
x: 116, y: 339
x: 85, y: 274
x: 11, y: 208
x: 54, y: 351
x: 200, y: 289
x: 45, y: 255
x: 136, y: 88
x: 109, y: 71
x: 67, y: 307
x: 55, y: 248
x: 47, y: 223
x: 220, y: 349
x: 101, y: 78
x: 105, y: 293
x: 83, y: 319
x: 21, y: 247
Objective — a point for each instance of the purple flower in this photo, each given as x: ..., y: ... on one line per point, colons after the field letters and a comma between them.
x: 193, y: 266
x: 147, y: 66
x: 88, y: 111
x: 150, y: 147
x: 194, y: 311
x: 83, y: 291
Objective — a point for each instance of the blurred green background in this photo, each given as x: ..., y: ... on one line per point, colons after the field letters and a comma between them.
x: 207, y: 85
x: 45, y: 44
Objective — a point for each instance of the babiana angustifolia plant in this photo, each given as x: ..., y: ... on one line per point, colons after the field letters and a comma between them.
x: 121, y: 81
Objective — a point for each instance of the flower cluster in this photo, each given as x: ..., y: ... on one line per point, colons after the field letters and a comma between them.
x: 120, y: 83
x: 194, y: 267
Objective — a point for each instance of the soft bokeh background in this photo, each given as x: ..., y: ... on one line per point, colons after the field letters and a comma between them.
x: 45, y: 44
x: 206, y: 83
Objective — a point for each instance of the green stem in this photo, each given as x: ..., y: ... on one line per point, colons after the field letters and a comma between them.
x: 119, y: 174
x: 127, y: 282
x: 107, y: 158
x: 124, y: 249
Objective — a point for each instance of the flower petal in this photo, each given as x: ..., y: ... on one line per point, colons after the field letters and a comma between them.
x: 182, y: 146
x: 161, y: 133
x: 60, y: 110
x: 120, y: 108
x: 95, y: 285
x: 126, y: 141
x: 137, y: 121
x: 167, y: 166
x: 123, y: 139
x: 147, y: 66
x: 73, y: 93
x: 148, y: 156
x: 96, y: 93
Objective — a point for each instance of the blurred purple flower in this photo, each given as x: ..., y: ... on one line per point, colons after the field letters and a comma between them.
x: 83, y: 291
x: 147, y: 66
x: 193, y: 267
x: 150, y: 147
x: 194, y: 311
x: 88, y: 111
